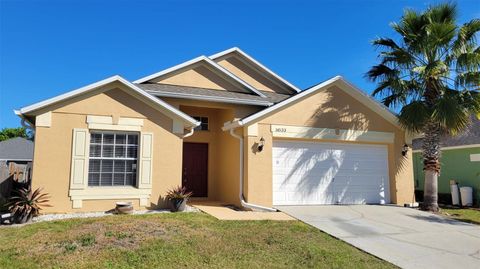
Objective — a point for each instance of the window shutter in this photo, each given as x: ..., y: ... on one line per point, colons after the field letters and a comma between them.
x: 146, y: 155
x: 79, y: 173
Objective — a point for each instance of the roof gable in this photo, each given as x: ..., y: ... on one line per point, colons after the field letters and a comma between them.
x: 249, y: 66
x: 209, y: 65
x: 156, y: 103
x: 342, y: 84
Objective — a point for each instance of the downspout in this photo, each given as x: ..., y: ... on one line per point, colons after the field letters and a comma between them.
x: 189, y: 133
x: 242, y: 199
x: 25, y: 123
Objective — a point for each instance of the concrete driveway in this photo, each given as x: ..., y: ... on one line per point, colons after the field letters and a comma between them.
x: 406, y: 237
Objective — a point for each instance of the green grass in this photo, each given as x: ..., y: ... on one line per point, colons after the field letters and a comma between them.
x: 470, y: 215
x: 181, y: 240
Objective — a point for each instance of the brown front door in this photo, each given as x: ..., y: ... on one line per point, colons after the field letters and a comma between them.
x: 195, y: 168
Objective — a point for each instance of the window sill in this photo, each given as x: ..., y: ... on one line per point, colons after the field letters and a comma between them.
x: 109, y: 193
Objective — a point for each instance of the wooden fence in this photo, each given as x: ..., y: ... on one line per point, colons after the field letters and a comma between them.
x: 14, y: 174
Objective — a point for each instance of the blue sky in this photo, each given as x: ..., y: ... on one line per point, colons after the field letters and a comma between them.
x: 50, y: 47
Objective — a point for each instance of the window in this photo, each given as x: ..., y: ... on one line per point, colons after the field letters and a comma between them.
x: 203, y: 124
x: 113, y: 159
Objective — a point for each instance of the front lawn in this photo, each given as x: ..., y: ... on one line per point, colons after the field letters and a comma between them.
x: 471, y: 215
x: 182, y: 240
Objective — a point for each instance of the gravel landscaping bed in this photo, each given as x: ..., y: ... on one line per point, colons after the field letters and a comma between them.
x: 52, y: 217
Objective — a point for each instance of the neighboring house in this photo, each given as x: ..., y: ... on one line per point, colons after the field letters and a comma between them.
x: 460, y: 161
x: 16, y: 149
x: 214, y: 124
x: 15, y: 163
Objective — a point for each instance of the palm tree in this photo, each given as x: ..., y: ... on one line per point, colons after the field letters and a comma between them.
x: 431, y: 74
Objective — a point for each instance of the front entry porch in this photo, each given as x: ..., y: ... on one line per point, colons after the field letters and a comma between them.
x: 210, y: 167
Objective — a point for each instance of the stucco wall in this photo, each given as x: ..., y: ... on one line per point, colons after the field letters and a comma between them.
x: 250, y: 75
x: 201, y: 77
x: 335, y: 109
x: 238, y: 111
x: 53, y: 147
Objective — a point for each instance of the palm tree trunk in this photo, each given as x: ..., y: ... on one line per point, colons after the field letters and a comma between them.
x: 431, y: 166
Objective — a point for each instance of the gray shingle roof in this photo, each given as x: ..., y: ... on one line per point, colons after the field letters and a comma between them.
x: 470, y: 136
x: 168, y: 90
x: 16, y: 149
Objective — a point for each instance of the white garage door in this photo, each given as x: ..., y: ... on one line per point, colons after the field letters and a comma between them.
x: 329, y: 173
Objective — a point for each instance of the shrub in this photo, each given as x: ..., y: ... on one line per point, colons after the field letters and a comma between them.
x: 25, y: 204
x: 178, y: 193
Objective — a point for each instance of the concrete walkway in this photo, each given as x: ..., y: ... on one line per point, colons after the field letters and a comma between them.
x: 405, y: 237
x: 221, y: 211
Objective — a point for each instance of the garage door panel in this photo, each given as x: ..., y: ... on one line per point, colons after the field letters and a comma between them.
x: 364, y: 162
x: 371, y: 173
x: 280, y: 197
x: 307, y: 198
x: 329, y: 173
x: 305, y: 161
x: 357, y: 196
x: 365, y: 177
x: 298, y: 183
x: 306, y: 170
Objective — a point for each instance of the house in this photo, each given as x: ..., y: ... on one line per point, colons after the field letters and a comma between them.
x: 15, y: 163
x: 227, y: 128
x: 460, y: 161
x: 16, y: 149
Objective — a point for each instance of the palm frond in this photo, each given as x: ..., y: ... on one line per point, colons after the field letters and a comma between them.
x: 395, y: 99
x: 466, y: 36
x: 451, y: 116
x: 468, y: 61
x: 468, y: 79
x: 412, y: 29
x: 398, y: 57
x: 442, y: 13
x: 381, y: 72
x: 385, y: 42
x: 414, y: 116
x: 440, y: 34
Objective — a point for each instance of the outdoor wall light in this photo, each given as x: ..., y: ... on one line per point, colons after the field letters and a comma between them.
x: 404, y: 149
x: 261, y: 144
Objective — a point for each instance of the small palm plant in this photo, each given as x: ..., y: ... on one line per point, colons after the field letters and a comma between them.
x: 178, y: 197
x: 26, y: 204
x: 433, y: 74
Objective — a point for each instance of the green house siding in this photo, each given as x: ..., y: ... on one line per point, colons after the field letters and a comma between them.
x: 456, y: 165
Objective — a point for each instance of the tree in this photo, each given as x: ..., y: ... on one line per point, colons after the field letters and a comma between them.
x: 432, y: 74
x: 7, y: 133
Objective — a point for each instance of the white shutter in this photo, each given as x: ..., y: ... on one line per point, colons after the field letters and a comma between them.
x: 146, y: 155
x: 79, y: 173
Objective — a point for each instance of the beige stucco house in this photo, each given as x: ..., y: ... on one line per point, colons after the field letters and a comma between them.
x: 227, y: 128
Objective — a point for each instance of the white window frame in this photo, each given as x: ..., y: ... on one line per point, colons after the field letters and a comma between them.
x: 200, y: 118
x: 136, y: 172
x: 80, y: 191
